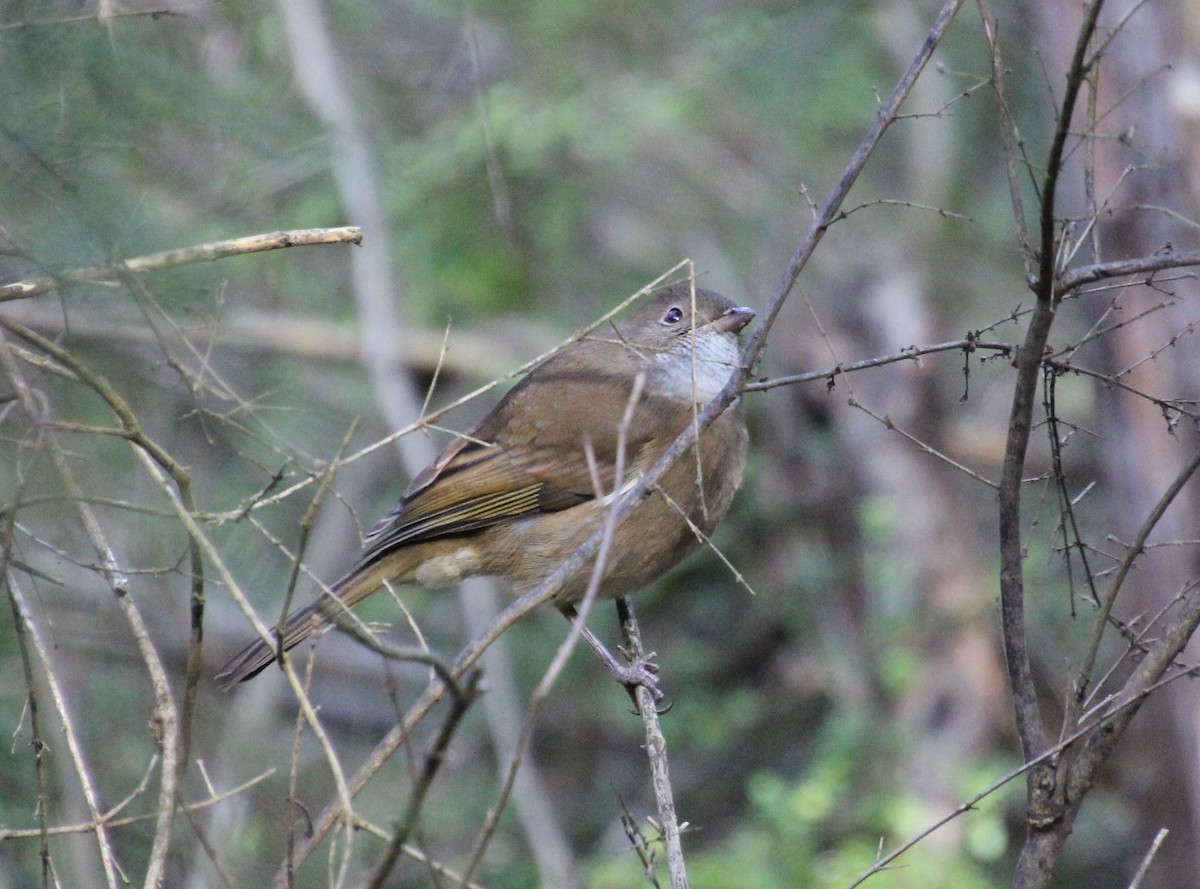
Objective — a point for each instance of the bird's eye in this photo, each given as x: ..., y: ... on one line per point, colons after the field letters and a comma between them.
x: 673, y: 316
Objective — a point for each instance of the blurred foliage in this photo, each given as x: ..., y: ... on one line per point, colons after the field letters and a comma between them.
x: 627, y: 136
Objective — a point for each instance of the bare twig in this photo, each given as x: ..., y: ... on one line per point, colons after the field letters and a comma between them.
x: 1148, y: 858
x: 1109, y: 597
x: 110, y: 820
x: 924, y: 446
x: 656, y: 752
x: 36, y: 742
x: 420, y: 789
x: 1097, y: 723
x: 154, y: 262
x: 1031, y: 729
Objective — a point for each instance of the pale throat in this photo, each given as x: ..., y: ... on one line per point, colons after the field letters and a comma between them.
x: 717, y: 357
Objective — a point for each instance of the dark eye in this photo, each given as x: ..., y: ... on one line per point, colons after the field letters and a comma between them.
x: 674, y: 315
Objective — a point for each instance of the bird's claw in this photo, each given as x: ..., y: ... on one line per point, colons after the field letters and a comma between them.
x: 643, y: 673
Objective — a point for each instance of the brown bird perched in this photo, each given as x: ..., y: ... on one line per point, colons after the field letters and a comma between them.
x: 515, y: 497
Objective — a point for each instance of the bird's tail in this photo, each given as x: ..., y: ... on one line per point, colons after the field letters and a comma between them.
x: 329, y: 608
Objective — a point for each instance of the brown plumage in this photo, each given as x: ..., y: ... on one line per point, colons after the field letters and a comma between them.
x: 515, y: 498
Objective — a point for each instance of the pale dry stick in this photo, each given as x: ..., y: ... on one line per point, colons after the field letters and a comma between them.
x: 166, y: 259
x: 1172, y: 341
x: 641, y: 847
x: 111, y: 815
x: 306, y: 524
x: 909, y: 205
x: 32, y: 707
x: 1173, y: 215
x: 97, y: 825
x: 166, y: 715
x: 130, y: 429
x: 437, y: 370
x: 1140, y: 874
x: 293, y: 797
x: 1007, y: 128
x: 754, y: 348
x: 112, y: 575
x: 656, y: 752
x: 1097, y: 331
x: 408, y: 824
x: 738, y: 577
x: 109, y: 820
x: 214, y: 861
x: 1110, y: 33
x: 108, y: 16
x: 439, y: 869
x: 577, y: 626
x: 887, y: 423
x: 699, y: 457
x: 343, y: 796
x: 501, y: 202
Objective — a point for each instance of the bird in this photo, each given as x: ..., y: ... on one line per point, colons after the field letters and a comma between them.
x: 515, y: 496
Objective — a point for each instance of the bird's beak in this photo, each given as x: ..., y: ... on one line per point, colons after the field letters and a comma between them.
x: 732, y: 320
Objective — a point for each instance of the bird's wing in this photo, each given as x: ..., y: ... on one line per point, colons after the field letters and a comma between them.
x: 507, y: 470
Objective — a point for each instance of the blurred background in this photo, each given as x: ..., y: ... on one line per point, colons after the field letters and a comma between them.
x: 519, y: 168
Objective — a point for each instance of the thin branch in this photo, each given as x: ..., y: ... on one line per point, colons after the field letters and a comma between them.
x: 167, y: 259
x: 109, y: 819
x: 1101, y: 271
x: 29, y: 404
x: 1140, y: 874
x: 1030, y: 727
x: 1109, y: 598
x: 1048, y: 755
x: 36, y: 742
x: 887, y: 423
x: 656, y: 752
x: 416, y: 800
x: 143, y: 445
x: 912, y: 353
x: 95, y: 18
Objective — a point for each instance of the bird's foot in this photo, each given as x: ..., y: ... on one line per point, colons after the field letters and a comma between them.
x: 641, y: 673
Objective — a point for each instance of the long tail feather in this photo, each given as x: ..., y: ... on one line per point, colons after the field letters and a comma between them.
x: 346, y: 593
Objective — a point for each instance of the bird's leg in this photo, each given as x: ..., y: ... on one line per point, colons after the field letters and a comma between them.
x: 643, y: 672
